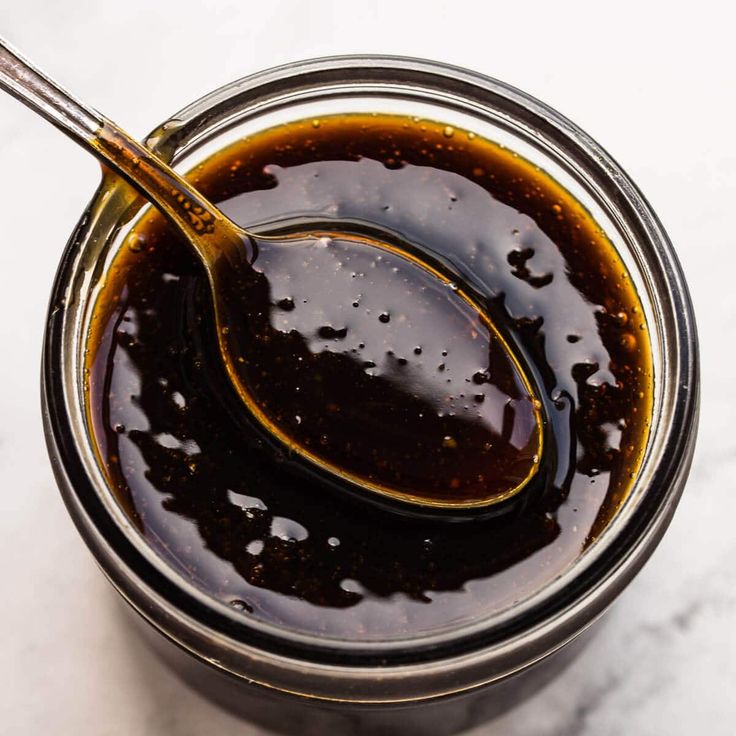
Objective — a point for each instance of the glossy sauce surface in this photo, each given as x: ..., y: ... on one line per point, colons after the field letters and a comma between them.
x: 355, y: 337
x: 373, y: 367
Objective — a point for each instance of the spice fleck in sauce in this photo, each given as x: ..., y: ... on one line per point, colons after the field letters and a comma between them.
x: 352, y: 336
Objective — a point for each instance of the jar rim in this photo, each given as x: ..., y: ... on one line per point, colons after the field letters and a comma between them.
x: 556, y: 612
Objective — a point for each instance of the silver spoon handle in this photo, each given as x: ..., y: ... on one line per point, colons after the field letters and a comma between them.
x: 206, y: 228
x: 22, y: 80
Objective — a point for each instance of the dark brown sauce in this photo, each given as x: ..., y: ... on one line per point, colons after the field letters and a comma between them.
x: 379, y: 369
x: 237, y: 515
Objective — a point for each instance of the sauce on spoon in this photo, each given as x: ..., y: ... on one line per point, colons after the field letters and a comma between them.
x: 456, y: 432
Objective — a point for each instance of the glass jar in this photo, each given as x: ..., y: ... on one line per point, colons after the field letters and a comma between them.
x: 484, y: 658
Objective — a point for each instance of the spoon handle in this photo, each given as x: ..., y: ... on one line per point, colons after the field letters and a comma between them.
x: 32, y: 87
x: 207, y: 229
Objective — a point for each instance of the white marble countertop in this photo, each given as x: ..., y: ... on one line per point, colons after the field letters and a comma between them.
x: 656, y: 87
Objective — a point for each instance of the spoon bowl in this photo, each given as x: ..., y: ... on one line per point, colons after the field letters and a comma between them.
x: 379, y: 370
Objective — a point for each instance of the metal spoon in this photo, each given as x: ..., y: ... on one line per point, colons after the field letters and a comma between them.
x: 227, y: 252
